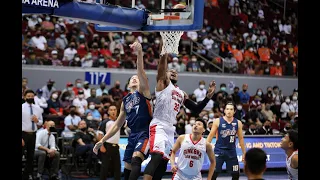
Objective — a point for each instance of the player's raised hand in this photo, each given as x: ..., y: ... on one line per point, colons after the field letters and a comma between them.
x: 212, y: 88
x: 97, y: 147
x: 174, y: 168
x: 136, y: 46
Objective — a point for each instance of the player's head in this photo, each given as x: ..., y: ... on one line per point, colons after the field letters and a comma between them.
x: 229, y: 109
x: 172, y: 74
x: 290, y: 140
x: 199, y: 126
x: 255, y: 162
x: 134, y: 83
x: 112, y: 112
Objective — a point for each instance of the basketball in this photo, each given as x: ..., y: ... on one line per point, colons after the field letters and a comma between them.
x: 178, y: 6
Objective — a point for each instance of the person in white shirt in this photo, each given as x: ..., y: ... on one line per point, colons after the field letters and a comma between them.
x: 70, y: 52
x: 46, y: 150
x: 201, y: 93
x: 39, y: 41
x: 86, y: 89
x: 193, y: 35
x: 39, y: 100
x: 71, y: 122
x: 80, y: 102
x: 207, y: 42
x: 31, y: 118
x: 287, y: 110
x: 289, y: 143
x: 192, y: 153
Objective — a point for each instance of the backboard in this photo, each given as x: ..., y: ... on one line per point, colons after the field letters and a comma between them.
x: 164, y: 18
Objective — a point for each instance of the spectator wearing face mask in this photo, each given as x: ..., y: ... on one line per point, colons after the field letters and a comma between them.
x: 174, y: 64
x: 39, y: 41
x: 93, y: 116
x: 240, y: 113
x: 69, y: 89
x: 71, y: 122
x: 80, y: 102
x: 87, y: 61
x: 65, y: 102
x: 200, y: 92
x: 84, y: 143
x: 54, y: 58
x: 193, y: 65
x: 86, y: 89
x: 54, y: 104
x: 244, y: 95
x: 287, y: 110
x: 75, y: 62
x: 46, y: 150
x: 78, y: 86
x: 48, y: 89
x: 116, y: 92
x: 267, y: 113
x: 276, y: 70
x: 188, y: 127
x: 251, y: 130
x: 61, y: 42
x: 102, y: 89
x: 249, y: 54
x: 266, y: 128
x: 39, y: 100
x: 235, y: 95
x: 100, y: 62
x: 70, y: 51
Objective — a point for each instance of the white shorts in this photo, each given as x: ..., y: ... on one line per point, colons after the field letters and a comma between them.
x: 180, y: 176
x: 161, y: 139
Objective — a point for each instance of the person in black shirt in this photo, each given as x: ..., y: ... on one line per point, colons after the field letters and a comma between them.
x: 84, y: 143
x: 255, y: 164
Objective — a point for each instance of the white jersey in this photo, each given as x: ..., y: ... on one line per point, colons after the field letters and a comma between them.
x: 293, y: 173
x: 167, y: 106
x: 191, y: 156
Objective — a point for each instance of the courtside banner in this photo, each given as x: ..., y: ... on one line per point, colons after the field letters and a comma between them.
x: 276, y: 157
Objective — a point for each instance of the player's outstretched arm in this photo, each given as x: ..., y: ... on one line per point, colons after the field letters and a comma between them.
x: 241, y: 140
x: 175, y: 148
x: 112, y: 131
x: 144, y: 85
x: 162, y: 79
x: 213, y: 130
x: 212, y: 159
x: 198, y: 107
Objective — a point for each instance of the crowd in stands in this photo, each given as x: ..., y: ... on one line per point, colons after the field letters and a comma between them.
x: 247, y: 37
x: 79, y: 101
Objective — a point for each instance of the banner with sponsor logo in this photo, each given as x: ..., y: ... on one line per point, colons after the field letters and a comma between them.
x: 270, y: 144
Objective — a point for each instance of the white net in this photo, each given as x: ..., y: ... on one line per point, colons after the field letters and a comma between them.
x: 170, y: 42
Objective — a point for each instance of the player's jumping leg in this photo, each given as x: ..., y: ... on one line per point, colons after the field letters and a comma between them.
x: 160, y: 171
x: 149, y: 171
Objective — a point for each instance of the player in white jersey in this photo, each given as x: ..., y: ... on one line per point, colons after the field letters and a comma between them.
x: 289, y: 143
x: 169, y: 99
x: 193, y: 148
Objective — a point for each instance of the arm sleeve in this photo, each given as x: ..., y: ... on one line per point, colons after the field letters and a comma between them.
x: 196, y: 107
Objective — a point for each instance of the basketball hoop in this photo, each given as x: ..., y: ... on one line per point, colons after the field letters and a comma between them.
x: 170, y: 41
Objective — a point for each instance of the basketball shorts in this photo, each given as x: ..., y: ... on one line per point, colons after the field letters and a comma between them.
x: 228, y: 156
x: 179, y: 175
x: 137, y: 142
x: 162, y: 139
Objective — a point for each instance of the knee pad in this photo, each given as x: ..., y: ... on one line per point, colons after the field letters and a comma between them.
x: 155, y: 161
x: 235, y: 176
x: 136, y: 161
